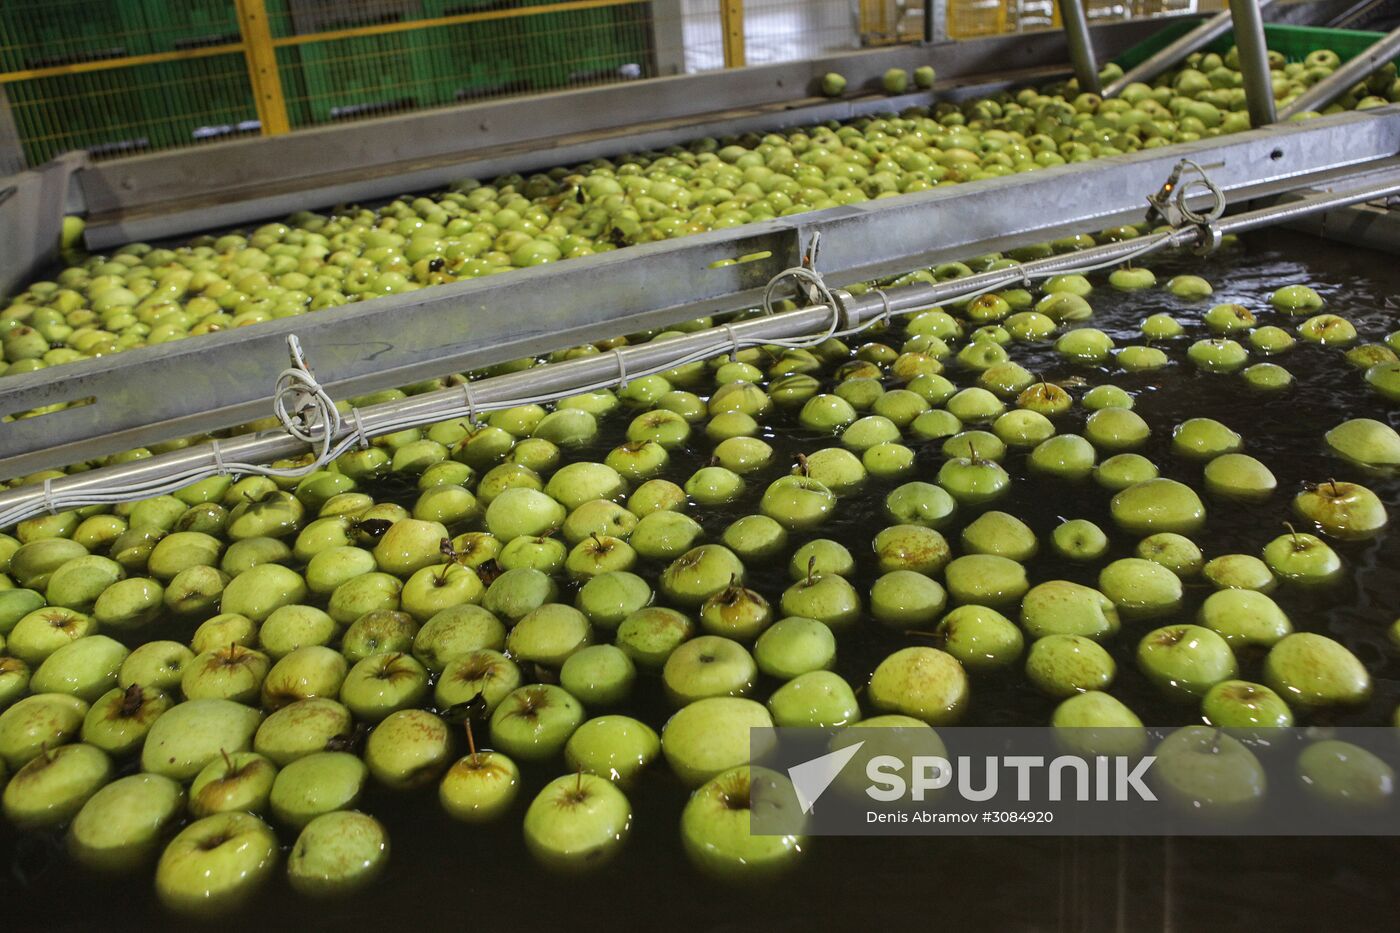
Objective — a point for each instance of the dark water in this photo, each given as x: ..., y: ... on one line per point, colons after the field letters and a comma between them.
x: 444, y: 875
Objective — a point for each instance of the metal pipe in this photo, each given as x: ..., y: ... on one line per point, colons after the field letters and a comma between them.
x: 1081, y: 47
x: 1254, y: 60
x: 1385, y: 49
x: 562, y: 378
x: 1207, y: 32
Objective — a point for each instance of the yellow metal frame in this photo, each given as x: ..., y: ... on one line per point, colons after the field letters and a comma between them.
x: 261, y: 55
x: 731, y: 24
x: 154, y: 58
x: 458, y: 19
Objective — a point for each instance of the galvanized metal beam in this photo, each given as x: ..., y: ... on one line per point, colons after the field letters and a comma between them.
x: 32, y: 205
x: 1081, y: 46
x: 227, y: 378
x: 1254, y: 60
x: 182, y: 191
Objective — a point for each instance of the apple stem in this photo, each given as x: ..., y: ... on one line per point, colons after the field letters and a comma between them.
x: 578, y: 784
x: 802, y: 465
x: 46, y: 752
x: 811, y: 569
x: 1292, y: 531
x: 228, y: 762
x: 471, y: 739
x: 1333, y: 483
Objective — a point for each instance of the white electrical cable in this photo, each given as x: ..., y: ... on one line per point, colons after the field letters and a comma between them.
x: 308, y: 413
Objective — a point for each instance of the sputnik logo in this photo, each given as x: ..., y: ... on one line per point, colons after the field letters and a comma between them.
x: 811, y: 778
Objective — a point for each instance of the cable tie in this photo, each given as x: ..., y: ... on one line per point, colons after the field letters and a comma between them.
x: 884, y: 316
x: 621, y: 367
x: 48, y: 496
x: 220, y: 469
x: 470, y: 397
x: 360, y: 436
x: 733, y: 342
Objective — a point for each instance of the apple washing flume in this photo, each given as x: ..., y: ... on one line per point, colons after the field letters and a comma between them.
x: 804, y: 535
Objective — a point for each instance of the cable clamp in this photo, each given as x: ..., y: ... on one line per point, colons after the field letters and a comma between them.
x: 49, y: 503
x: 884, y: 316
x: 733, y: 342
x: 361, y: 437
x: 469, y: 396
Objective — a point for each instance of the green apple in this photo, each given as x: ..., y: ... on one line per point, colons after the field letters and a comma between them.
x: 700, y: 573
x: 1245, y: 706
x: 53, y: 786
x: 798, y: 502
x: 1001, y: 535
x: 479, y: 787
x: 1239, y: 571
x: 86, y: 668
x: 43, y: 631
x: 14, y: 681
x: 77, y: 583
x: 410, y: 748
x: 533, y: 722
x: 302, y: 728
x: 1239, y: 476
x: 120, y: 719
x: 1209, y: 773
x: 710, y: 736
x: 717, y: 832
x: 1295, y: 299
x: 1094, y: 723
x: 832, y: 84
x: 1060, y: 607
x: 1141, y: 589
x: 598, y: 675
x: 377, y: 632
x: 229, y: 673
x: 1063, y: 665
x: 259, y: 591
x: 1244, y: 618
x: 128, y: 604
x: 232, y: 783
x: 577, y: 823
x: 736, y: 612
x: 708, y: 666
x: 814, y: 699
x: 1189, y: 287
x: 608, y: 598
x: 1204, y: 439
x: 1303, y: 559
x: 986, y: 579
x: 649, y: 635
x: 337, y: 853
x: 828, y: 598
x: 1066, y: 456
x: 1185, y: 661
x: 980, y: 638
x: 223, y: 630
x: 794, y: 646
x: 322, y: 782
x: 216, y: 864
x: 382, y: 684
x: 192, y: 734
x: 657, y: 495
x: 330, y: 568
x: 516, y: 593
x: 1079, y: 540
x: 120, y: 828
x: 821, y: 556
x: 911, y: 547
x: 1346, y: 775
x: 906, y: 599
x: 456, y: 632
x: 1362, y: 441
x: 1158, y: 505
x: 1312, y: 670
x: 617, y: 748
x: 1123, y: 470
x: 156, y: 664
x: 549, y: 634
x: 522, y: 512
x: 1271, y: 340
x: 1347, y: 511
x: 925, y: 683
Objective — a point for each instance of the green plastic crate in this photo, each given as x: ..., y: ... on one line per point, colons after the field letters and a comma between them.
x: 43, y: 33
x: 561, y: 49
x: 189, y: 24
x: 112, y: 112
x: 1294, y: 42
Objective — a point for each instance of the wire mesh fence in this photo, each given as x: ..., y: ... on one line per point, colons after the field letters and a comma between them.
x: 117, y: 77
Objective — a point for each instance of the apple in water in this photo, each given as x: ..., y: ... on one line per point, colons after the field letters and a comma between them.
x: 216, y: 864
x: 55, y: 784
x: 1346, y: 775
x: 1312, y: 670
x: 86, y: 668
x: 1062, y: 665
x: 194, y: 733
x: 708, y: 666
x: 717, y: 832
x: 319, y: 783
x: 309, y: 671
x: 1347, y: 511
x: 614, y: 747
x: 119, y: 720
x: 577, y: 823
x: 711, y: 735
x: 455, y: 633
x: 1208, y: 773
x: 302, y: 728
x: 233, y: 782
x: 45, y: 720
x: 925, y: 683
x: 479, y: 787
x: 483, y: 676
x: 383, y: 683
x: 337, y: 853
x: 1303, y: 559
x: 409, y: 749
x: 1185, y: 660
x: 700, y: 573
x: 533, y: 722
x: 120, y: 828
x: 230, y: 673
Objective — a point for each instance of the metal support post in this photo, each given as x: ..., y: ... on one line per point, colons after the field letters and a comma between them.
x: 731, y: 24
x: 1204, y: 34
x: 1254, y: 60
x: 1081, y: 48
